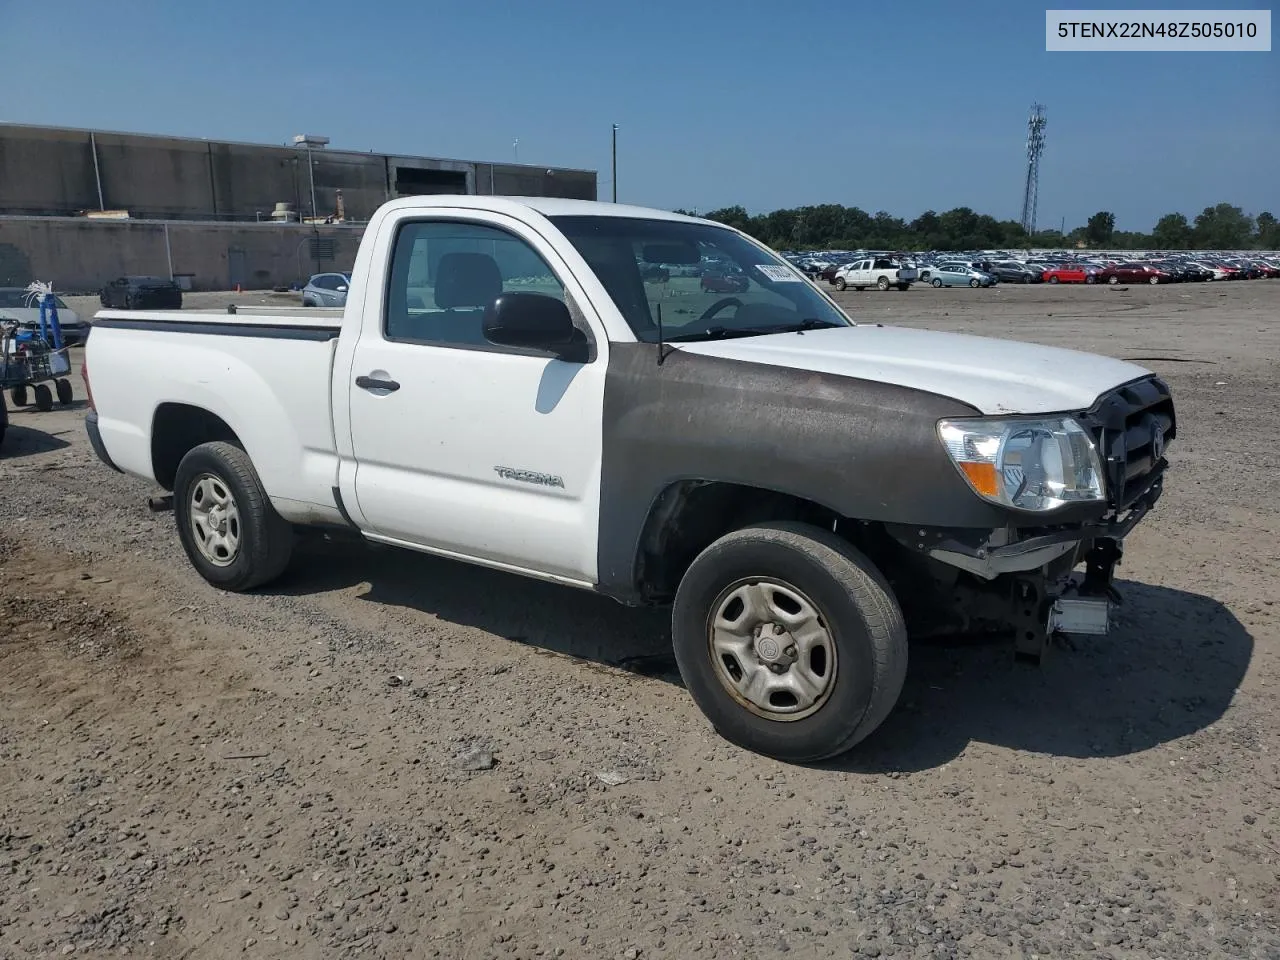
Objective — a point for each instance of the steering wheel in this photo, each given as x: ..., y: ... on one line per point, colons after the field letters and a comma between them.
x: 719, y: 305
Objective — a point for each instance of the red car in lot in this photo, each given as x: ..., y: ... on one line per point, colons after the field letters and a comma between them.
x: 1068, y: 273
x: 1135, y: 273
x: 724, y: 282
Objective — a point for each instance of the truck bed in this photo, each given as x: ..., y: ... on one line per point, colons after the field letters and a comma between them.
x: 266, y: 376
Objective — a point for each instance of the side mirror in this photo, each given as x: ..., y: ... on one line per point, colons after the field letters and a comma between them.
x: 342, y: 289
x: 534, y: 320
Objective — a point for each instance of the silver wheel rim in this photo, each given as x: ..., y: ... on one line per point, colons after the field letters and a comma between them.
x: 215, y: 520
x: 772, y: 649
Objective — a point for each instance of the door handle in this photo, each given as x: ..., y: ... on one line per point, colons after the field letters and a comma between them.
x: 370, y: 383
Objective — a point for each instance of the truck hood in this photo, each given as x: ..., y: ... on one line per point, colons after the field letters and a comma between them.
x: 993, y: 376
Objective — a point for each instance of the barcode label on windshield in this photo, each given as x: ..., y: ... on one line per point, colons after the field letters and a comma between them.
x: 776, y: 273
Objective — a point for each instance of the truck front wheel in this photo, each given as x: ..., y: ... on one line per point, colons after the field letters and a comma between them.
x: 228, y: 527
x: 789, y: 640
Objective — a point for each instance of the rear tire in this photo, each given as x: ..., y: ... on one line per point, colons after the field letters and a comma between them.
x: 44, y: 397
x: 936, y: 282
x: 828, y: 592
x: 1053, y: 279
x: 904, y: 287
x: 64, y: 392
x: 4, y: 419
x: 1153, y: 281
x: 1113, y: 279
x: 263, y: 540
x: 19, y: 396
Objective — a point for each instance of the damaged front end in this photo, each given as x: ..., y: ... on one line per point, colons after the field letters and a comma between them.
x: 1026, y: 579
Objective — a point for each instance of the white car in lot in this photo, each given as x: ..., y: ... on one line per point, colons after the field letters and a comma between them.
x: 19, y: 303
x: 881, y: 272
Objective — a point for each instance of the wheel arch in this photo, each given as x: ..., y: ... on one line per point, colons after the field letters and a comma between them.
x: 688, y: 515
x: 177, y: 428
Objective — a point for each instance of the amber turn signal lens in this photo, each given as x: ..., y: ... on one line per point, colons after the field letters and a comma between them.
x: 983, y: 478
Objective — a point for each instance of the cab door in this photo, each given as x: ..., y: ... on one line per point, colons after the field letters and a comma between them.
x: 461, y: 446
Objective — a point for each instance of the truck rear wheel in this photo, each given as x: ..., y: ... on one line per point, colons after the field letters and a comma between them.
x: 789, y: 640
x: 228, y: 527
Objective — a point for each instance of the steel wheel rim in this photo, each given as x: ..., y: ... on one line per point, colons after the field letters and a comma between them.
x: 772, y: 649
x: 215, y: 520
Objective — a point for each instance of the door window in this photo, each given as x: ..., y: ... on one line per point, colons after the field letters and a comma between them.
x: 445, y: 273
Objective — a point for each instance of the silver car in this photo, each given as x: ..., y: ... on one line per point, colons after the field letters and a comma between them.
x: 326, y: 290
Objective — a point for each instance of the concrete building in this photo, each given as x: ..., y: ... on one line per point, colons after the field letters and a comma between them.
x: 79, y: 207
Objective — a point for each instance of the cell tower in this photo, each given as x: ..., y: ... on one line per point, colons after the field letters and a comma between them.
x: 1035, y: 147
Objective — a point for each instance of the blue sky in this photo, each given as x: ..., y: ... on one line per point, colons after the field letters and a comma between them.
x: 898, y: 107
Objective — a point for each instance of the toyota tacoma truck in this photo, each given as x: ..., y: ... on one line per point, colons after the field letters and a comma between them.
x: 804, y: 491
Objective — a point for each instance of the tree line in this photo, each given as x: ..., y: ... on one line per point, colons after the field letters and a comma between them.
x: 831, y: 226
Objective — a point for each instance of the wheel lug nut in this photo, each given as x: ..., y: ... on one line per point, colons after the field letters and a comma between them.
x: 777, y: 629
x: 790, y: 651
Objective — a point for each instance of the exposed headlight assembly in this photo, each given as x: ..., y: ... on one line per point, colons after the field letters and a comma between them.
x: 1035, y: 465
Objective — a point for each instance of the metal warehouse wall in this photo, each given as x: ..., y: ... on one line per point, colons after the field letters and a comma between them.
x: 80, y: 255
x: 51, y: 172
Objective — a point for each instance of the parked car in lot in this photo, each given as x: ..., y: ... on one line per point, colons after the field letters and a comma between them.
x: 326, y: 290
x: 1069, y: 273
x: 959, y: 275
x: 880, y: 272
x: 722, y: 281
x: 141, y: 293
x: 1010, y: 271
x: 1219, y: 271
x: 805, y: 493
x: 18, y: 303
x: 1133, y: 272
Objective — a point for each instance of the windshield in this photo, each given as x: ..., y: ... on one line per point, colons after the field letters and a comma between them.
x: 704, y: 281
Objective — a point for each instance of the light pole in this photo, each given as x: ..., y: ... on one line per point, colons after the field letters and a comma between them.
x: 515, y: 148
x: 615, y: 163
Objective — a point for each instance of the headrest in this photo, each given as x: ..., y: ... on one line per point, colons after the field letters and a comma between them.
x: 467, y: 280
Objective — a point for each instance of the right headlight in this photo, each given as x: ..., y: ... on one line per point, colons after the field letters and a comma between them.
x: 1036, y: 465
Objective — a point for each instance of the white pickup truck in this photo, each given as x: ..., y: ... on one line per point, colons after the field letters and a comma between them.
x: 504, y: 388
x: 880, y: 272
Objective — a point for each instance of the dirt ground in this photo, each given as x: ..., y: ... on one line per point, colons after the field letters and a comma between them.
x: 390, y: 755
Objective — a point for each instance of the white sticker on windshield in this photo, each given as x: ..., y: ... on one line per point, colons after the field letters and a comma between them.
x: 777, y: 273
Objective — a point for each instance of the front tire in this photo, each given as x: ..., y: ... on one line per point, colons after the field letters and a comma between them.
x: 19, y: 396
x: 228, y: 527
x: 975, y: 283
x: 1113, y: 279
x: 883, y: 284
x: 44, y: 397
x: 789, y: 641
x: 841, y: 283
x: 65, y: 396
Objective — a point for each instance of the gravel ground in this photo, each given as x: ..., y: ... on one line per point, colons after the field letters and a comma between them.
x: 387, y: 754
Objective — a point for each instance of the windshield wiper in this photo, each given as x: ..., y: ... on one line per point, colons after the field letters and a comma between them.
x: 808, y: 324
x: 718, y: 333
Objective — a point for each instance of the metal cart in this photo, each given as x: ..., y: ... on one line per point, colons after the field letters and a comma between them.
x: 29, y: 361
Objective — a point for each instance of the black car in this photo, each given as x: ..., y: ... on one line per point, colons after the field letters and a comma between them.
x: 141, y: 293
x: 1009, y: 272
